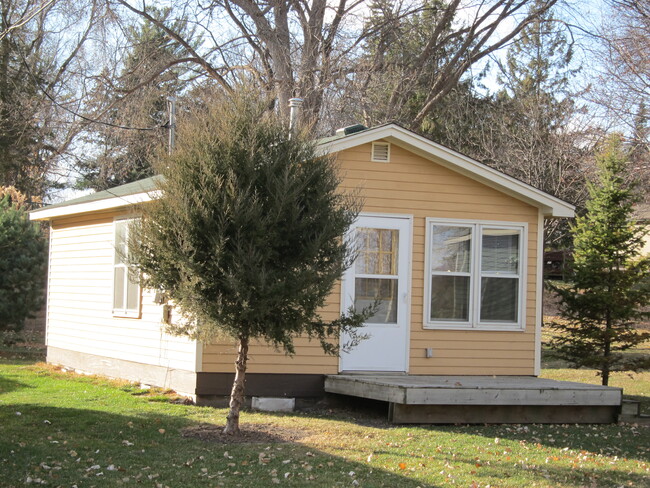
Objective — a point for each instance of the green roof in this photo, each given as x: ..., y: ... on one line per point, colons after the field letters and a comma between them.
x: 140, y: 186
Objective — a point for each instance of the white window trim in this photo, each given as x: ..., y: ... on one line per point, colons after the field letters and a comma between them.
x: 123, y: 312
x: 475, y: 274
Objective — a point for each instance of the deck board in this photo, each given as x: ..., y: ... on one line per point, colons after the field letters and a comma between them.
x: 472, y: 390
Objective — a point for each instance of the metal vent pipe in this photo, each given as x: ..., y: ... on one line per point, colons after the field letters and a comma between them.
x: 294, y: 114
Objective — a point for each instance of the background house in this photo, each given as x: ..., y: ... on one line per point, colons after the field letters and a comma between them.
x: 453, y: 248
x: 642, y: 214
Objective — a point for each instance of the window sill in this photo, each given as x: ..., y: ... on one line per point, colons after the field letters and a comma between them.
x: 470, y: 327
x: 125, y: 314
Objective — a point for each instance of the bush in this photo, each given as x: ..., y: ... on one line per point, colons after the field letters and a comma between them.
x: 22, y: 265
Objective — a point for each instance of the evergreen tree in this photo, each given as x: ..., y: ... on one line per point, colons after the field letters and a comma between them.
x: 25, y: 142
x: 534, y: 132
x: 399, y: 80
x: 610, y: 285
x: 22, y: 262
x: 640, y: 152
x: 149, y: 77
x: 246, y: 239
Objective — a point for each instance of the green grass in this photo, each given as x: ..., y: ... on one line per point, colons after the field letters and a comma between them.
x: 68, y: 430
x: 635, y: 385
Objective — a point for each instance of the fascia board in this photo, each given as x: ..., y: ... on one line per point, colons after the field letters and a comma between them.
x: 96, y: 206
x: 550, y: 205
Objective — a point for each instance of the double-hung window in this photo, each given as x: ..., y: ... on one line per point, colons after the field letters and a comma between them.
x: 126, y: 290
x: 475, y: 274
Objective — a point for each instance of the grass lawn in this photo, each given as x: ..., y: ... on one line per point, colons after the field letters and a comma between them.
x: 636, y: 386
x: 60, y: 429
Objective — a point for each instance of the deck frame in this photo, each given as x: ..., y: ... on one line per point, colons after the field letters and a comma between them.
x: 482, y: 399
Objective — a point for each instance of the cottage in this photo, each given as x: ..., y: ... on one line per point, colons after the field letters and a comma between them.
x: 453, y: 248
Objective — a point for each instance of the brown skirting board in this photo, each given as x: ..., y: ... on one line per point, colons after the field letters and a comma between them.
x: 501, y: 414
x: 263, y: 384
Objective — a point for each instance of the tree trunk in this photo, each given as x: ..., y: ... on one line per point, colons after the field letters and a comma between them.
x: 608, y: 344
x: 237, y: 393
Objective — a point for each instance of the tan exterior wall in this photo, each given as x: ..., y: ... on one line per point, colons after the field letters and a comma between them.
x: 80, y: 298
x: 411, y: 185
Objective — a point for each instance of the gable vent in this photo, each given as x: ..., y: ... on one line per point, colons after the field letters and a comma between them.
x: 380, y: 152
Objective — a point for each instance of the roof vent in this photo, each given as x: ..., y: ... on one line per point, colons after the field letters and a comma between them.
x: 380, y: 152
x: 350, y: 129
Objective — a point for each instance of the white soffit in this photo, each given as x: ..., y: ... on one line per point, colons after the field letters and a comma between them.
x: 550, y: 205
x: 93, y: 206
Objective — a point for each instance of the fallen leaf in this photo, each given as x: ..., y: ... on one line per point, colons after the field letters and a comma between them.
x: 402, y: 465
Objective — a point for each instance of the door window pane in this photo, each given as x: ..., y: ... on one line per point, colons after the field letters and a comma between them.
x: 450, y: 298
x: 500, y: 251
x: 499, y: 299
x: 451, y: 249
x: 376, y: 251
x: 367, y: 290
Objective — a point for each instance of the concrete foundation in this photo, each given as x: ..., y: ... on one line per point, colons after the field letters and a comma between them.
x: 181, y: 381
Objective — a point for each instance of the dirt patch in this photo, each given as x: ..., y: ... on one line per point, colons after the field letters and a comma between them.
x: 250, y: 434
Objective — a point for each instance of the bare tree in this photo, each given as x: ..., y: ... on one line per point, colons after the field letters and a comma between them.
x: 624, y: 82
x: 42, y: 44
x: 305, y: 48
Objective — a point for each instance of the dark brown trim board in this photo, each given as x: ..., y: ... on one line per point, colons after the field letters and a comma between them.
x: 501, y: 414
x: 263, y: 384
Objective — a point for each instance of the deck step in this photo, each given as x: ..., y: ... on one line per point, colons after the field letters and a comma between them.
x: 631, y: 413
x: 634, y: 419
x: 630, y: 408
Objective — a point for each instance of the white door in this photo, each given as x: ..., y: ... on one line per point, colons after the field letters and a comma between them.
x: 380, y: 271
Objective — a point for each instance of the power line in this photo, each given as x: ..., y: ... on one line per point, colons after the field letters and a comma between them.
x: 83, y: 117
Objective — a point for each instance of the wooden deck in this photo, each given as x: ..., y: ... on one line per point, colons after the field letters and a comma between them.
x: 482, y: 399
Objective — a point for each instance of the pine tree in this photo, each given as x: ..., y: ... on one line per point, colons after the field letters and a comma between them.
x: 640, y: 152
x: 610, y: 286
x: 148, y: 78
x: 246, y: 240
x: 25, y: 138
x: 22, y: 262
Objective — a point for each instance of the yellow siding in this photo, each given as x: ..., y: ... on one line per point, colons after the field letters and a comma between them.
x: 80, y: 301
x: 411, y: 185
